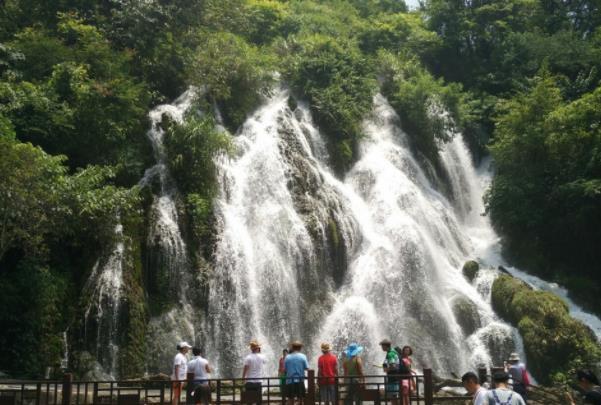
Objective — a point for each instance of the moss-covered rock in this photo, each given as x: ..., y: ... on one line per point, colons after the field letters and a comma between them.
x: 470, y: 269
x: 466, y: 315
x: 135, y: 314
x: 555, y: 343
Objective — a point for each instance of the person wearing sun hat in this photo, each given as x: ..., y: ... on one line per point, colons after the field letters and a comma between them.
x: 353, y: 371
x: 519, y: 375
x: 295, y: 365
x: 253, y: 369
x: 327, y: 371
x: 179, y: 370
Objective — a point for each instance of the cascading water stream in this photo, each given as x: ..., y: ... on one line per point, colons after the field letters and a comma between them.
x: 104, y: 288
x: 168, y: 254
x: 265, y: 250
x: 404, y: 282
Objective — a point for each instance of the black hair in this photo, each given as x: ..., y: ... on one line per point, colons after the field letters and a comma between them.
x: 285, y: 351
x: 587, y: 375
x: 500, y: 376
x: 470, y: 376
x: 196, y: 351
x: 407, y: 347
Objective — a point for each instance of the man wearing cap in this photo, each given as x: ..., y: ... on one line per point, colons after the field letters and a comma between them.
x: 179, y: 370
x: 502, y: 395
x: 391, y: 367
x: 327, y: 371
x: 295, y: 365
x: 519, y: 375
x: 353, y: 368
x: 471, y: 383
x: 253, y: 370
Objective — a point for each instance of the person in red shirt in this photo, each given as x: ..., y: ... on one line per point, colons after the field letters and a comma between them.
x: 327, y: 371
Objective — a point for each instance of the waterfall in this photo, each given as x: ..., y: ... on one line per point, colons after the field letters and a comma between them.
x: 302, y: 254
x: 404, y: 245
x: 104, y: 289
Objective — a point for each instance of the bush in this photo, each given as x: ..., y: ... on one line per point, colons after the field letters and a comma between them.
x: 234, y: 73
x: 429, y: 109
x: 192, y: 148
x: 340, y: 84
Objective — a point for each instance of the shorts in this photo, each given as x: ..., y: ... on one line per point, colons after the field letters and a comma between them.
x: 327, y: 393
x: 392, y: 389
x: 202, y: 393
x: 295, y: 390
x: 256, y: 388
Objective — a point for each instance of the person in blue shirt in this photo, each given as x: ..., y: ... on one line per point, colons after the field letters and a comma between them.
x: 295, y: 366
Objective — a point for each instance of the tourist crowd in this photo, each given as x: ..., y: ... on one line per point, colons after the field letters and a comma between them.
x: 510, y: 385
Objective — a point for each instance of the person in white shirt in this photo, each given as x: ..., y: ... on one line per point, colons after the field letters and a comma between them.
x: 471, y: 383
x: 201, y: 390
x: 502, y: 394
x: 253, y: 370
x: 179, y: 370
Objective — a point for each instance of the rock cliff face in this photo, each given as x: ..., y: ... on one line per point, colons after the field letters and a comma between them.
x: 554, y: 342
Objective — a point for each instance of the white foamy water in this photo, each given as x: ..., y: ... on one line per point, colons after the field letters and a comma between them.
x: 101, y: 318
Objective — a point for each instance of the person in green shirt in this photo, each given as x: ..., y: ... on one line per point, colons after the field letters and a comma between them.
x: 391, y: 368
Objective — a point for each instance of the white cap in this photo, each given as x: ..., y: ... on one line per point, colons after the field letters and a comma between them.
x: 182, y: 345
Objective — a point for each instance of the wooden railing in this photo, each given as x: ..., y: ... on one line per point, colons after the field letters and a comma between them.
x: 371, y: 389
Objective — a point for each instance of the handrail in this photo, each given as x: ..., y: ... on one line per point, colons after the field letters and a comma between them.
x: 377, y: 388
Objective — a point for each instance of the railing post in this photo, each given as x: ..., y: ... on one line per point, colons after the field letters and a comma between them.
x: 482, y: 375
x: 189, y: 379
x: 311, y: 387
x: 67, y: 388
x: 95, y: 394
x: 162, y: 394
x: 38, y: 394
x: 428, y: 387
x: 219, y: 392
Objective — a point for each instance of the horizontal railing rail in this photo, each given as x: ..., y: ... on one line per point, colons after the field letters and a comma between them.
x: 370, y: 389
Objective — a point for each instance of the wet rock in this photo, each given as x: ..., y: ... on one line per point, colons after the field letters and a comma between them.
x: 466, y: 314
x: 470, y: 269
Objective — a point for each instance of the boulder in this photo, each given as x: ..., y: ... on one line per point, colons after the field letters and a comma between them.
x: 470, y: 269
x: 554, y: 342
x: 466, y: 315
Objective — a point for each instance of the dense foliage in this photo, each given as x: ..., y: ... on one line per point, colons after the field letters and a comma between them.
x: 77, y: 78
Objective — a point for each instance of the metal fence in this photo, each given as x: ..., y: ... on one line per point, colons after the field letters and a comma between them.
x: 372, y: 389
